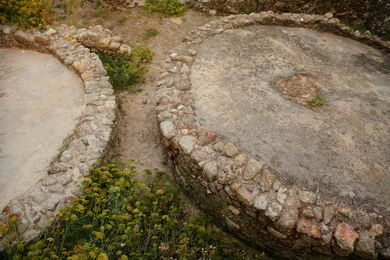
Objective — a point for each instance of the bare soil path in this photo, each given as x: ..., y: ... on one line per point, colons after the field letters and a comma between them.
x: 137, y: 126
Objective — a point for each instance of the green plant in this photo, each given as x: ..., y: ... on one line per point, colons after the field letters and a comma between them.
x: 125, y: 70
x: 98, y: 3
x: 122, y: 19
x: 65, y: 144
x: 166, y: 7
x: 61, y: 5
x: 359, y: 27
x: 317, y: 101
x: 142, y: 54
x: 26, y: 13
x: 120, y: 217
x: 149, y: 33
x: 101, y: 12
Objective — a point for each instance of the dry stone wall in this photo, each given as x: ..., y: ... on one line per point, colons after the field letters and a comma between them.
x: 38, y: 207
x: 374, y: 14
x: 244, y: 195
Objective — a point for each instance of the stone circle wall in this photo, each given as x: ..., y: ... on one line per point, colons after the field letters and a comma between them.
x: 244, y: 195
x: 374, y: 14
x: 87, y: 144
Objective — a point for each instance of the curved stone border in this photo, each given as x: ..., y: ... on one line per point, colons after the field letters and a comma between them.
x: 241, y: 192
x: 38, y: 207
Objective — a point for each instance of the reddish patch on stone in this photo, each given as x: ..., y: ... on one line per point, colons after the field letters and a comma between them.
x: 346, y: 237
x: 206, y: 136
x: 309, y: 228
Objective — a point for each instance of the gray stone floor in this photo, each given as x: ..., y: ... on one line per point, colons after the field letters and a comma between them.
x: 40, y: 102
x: 340, y: 149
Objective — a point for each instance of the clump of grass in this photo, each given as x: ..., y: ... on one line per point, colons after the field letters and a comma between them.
x: 359, y: 27
x: 166, y: 7
x: 122, y: 19
x: 127, y: 70
x: 122, y: 70
x: 61, y: 6
x: 65, y: 144
x: 120, y: 217
x: 317, y: 101
x: 101, y: 12
x: 142, y: 55
x: 149, y: 33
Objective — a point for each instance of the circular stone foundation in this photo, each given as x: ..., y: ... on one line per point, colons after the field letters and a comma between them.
x: 41, y: 102
x: 281, y: 133
x: 312, y: 106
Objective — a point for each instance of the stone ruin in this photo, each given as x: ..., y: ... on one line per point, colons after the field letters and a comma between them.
x: 248, y: 144
x: 86, y: 137
x: 239, y: 119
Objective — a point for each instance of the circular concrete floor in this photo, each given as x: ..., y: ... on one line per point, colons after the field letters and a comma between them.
x: 255, y: 87
x: 40, y: 103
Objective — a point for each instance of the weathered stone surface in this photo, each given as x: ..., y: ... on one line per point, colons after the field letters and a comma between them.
x: 345, y: 238
x: 47, y: 196
x: 309, y: 228
x: 365, y: 246
x: 278, y: 205
x: 23, y: 37
x: 187, y: 143
x: 261, y: 202
x: 230, y: 150
x: 210, y: 169
x: 42, y: 39
x: 252, y: 169
x: 273, y: 210
x: 240, y: 160
x: 206, y: 136
x: 80, y: 65
x: 114, y: 45
x: 329, y: 212
x: 103, y: 42
x: 56, y: 188
x: 377, y: 230
x: 38, y: 196
x: 228, y: 173
x: 234, y: 210
x: 288, y: 220
x: 125, y: 49
x: 168, y: 129
x: 186, y: 59
x: 219, y: 146
x: 243, y: 115
x: 245, y: 196
x: 49, y: 180
x: 276, y: 233
x: 307, y: 196
x: 266, y: 180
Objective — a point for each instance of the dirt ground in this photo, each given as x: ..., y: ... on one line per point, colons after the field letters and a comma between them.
x: 137, y: 125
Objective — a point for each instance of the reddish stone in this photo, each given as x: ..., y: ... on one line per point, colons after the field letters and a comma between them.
x: 309, y: 228
x: 206, y: 136
x: 346, y: 237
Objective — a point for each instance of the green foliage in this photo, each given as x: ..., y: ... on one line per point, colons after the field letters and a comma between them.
x: 359, y: 27
x: 317, y: 101
x: 166, y: 7
x: 120, y: 217
x: 125, y: 71
x: 26, y: 13
x: 149, y: 33
x: 122, y: 19
x: 142, y: 55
